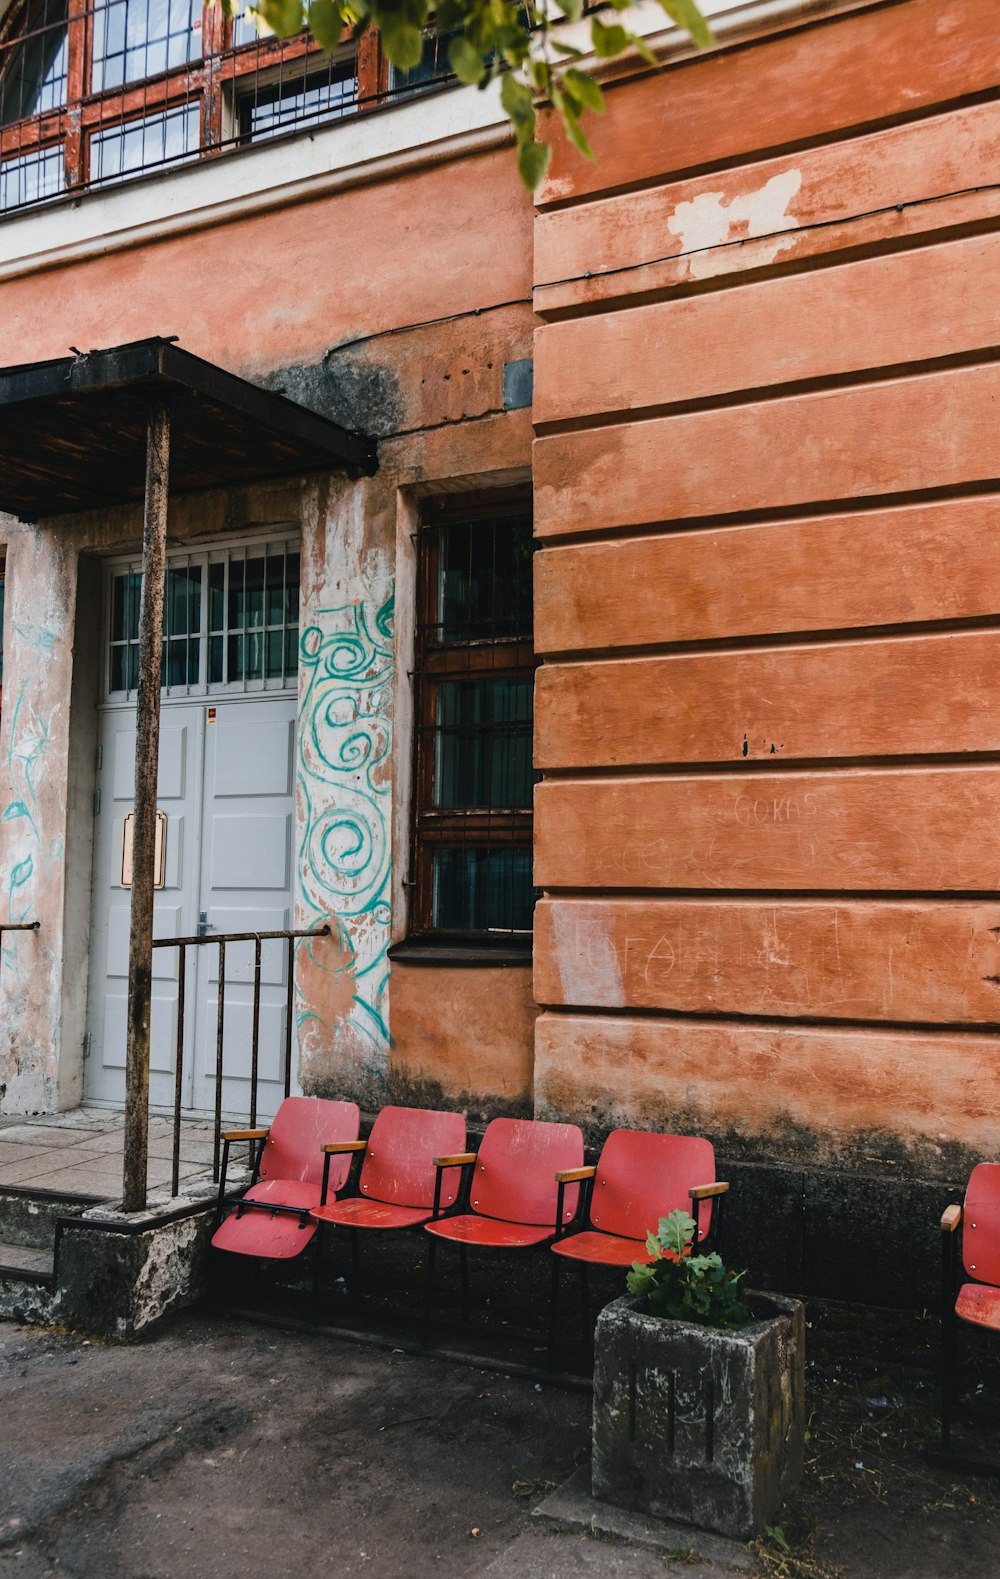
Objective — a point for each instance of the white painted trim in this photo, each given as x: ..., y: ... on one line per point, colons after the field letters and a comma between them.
x: 373, y: 146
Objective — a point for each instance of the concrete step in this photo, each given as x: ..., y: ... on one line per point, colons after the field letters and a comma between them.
x: 28, y: 1217
x: 26, y: 1263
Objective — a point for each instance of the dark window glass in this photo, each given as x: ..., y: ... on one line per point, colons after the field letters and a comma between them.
x: 144, y: 143
x: 432, y: 67
x: 261, y: 598
x: 475, y: 688
x: 181, y: 628
x: 33, y: 72
x: 477, y: 890
x: 484, y: 581
x: 28, y: 178
x: 483, y: 743
x: 142, y: 38
x: 297, y: 100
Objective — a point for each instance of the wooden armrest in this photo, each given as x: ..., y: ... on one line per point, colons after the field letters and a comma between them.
x: 457, y: 1161
x: 245, y: 1134
x: 704, y: 1192
x: 950, y: 1219
x: 344, y: 1145
x: 574, y: 1175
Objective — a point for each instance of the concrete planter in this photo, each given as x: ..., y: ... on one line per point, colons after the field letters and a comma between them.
x: 699, y: 1425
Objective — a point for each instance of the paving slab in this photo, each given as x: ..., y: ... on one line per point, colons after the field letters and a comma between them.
x: 80, y: 1152
x: 73, y: 1179
x: 572, y: 1507
x: 555, y: 1554
x: 48, y: 1134
x: 40, y: 1171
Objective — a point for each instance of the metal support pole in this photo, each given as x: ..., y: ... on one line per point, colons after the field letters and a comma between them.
x: 175, y: 1166
x: 147, y: 744
x: 255, y: 1039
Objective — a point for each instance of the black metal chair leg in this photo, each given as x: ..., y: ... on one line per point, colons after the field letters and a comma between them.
x: 428, y: 1288
x: 317, y: 1272
x: 355, y: 1267
x: 949, y: 1373
x: 585, y: 1300
x: 463, y: 1260
x: 553, y: 1312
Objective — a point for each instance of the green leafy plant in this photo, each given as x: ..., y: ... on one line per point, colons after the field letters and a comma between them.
x: 521, y: 42
x: 687, y: 1287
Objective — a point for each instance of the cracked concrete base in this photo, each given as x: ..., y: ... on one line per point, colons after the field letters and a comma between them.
x: 571, y: 1507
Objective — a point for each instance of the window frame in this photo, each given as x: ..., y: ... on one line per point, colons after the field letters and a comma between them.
x: 506, y: 657
x: 269, y: 546
x: 211, y: 80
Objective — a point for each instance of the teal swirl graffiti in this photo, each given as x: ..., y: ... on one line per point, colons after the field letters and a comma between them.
x: 345, y: 737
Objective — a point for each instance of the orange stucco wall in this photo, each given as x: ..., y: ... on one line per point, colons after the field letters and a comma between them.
x: 281, y: 288
x: 407, y: 296
x: 765, y: 477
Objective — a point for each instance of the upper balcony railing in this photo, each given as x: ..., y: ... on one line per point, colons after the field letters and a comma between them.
x: 97, y: 92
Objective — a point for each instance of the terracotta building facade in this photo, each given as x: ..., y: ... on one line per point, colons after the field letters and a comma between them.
x: 687, y: 472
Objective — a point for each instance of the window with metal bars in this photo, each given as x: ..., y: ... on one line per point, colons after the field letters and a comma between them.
x: 474, y: 686
x: 99, y: 91
x: 230, y: 622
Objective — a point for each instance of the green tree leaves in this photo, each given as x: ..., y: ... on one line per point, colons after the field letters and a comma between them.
x: 517, y: 41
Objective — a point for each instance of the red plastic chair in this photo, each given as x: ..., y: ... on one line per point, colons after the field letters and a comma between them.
x: 639, y: 1178
x: 272, y: 1220
x: 509, y: 1196
x: 970, y: 1290
x: 396, y: 1187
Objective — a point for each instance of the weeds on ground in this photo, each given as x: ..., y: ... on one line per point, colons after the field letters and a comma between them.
x: 786, y: 1551
x: 527, y: 1488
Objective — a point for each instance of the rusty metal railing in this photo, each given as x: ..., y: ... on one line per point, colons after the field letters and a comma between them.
x: 221, y: 939
x: 16, y: 926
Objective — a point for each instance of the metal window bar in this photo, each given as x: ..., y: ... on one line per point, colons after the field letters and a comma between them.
x: 199, y: 637
x: 221, y: 939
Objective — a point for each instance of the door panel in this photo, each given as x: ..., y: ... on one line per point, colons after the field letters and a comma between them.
x: 249, y: 853
x: 246, y: 887
x: 175, y: 906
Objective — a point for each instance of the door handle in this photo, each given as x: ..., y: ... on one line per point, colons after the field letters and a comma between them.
x: 204, y: 925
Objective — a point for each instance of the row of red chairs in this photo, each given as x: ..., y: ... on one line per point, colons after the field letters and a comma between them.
x: 526, y: 1186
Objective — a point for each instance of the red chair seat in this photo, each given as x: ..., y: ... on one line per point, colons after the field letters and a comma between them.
x: 602, y: 1249
x: 979, y: 1304
x: 360, y: 1213
x: 491, y: 1233
x: 272, y: 1235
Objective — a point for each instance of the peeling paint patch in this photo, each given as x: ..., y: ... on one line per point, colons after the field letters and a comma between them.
x: 709, y: 220
x: 586, y: 959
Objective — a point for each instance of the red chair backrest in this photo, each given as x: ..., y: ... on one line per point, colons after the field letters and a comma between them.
x: 302, y: 1127
x: 399, y: 1162
x: 981, y: 1224
x: 642, y: 1177
x: 514, y: 1175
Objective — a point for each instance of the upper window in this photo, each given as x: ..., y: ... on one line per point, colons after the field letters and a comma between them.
x: 96, y: 91
x: 474, y: 690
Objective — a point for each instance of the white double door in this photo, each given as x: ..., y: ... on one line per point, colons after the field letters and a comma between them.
x: 226, y: 789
